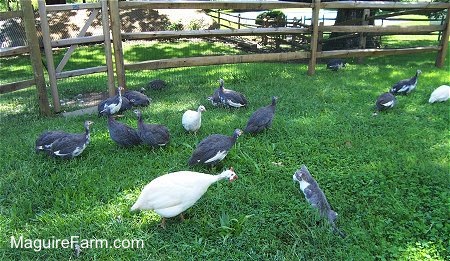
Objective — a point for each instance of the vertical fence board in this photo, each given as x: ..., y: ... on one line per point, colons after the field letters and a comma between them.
x: 314, y: 37
x: 440, y: 59
x: 117, y: 42
x: 362, y: 36
x: 108, y: 49
x: 35, y: 56
x: 49, y: 55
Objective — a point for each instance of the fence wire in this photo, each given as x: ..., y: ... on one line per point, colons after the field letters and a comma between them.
x: 12, y: 33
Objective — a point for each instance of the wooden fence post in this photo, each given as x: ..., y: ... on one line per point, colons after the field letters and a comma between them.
x: 362, y: 36
x: 314, y: 37
x: 440, y: 59
x: 46, y: 40
x: 35, y: 56
x: 108, y: 49
x: 320, y: 38
x: 117, y: 41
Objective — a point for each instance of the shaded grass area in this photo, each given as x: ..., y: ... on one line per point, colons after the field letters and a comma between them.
x: 387, y: 176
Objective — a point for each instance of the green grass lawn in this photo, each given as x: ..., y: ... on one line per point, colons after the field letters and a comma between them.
x: 387, y: 176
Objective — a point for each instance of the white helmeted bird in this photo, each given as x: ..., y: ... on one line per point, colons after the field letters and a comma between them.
x: 192, y: 120
x: 440, y: 94
x: 171, y: 194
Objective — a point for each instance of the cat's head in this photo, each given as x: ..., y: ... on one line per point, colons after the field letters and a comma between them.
x: 302, y: 174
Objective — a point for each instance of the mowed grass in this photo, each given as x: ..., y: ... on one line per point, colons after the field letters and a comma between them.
x: 387, y: 176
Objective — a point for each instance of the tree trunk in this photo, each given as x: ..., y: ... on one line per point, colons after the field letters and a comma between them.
x: 349, y: 17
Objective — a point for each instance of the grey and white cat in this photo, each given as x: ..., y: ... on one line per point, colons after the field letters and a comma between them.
x: 315, y: 196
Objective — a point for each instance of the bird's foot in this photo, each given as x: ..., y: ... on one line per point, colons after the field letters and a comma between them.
x: 163, y: 223
x: 182, y: 217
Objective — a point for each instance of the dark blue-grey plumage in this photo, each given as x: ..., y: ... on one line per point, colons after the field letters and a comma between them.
x: 154, y: 135
x: 215, y: 99
x: 64, y: 145
x: 385, y: 101
x: 126, y: 105
x: 46, y: 139
x: 262, y: 118
x: 137, y: 98
x: 122, y: 134
x: 231, y: 98
x: 335, y: 64
x: 111, y: 105
x: 405, y: 86
x: 315, y: 196
x: 157, y: 84
x: 213, y: 148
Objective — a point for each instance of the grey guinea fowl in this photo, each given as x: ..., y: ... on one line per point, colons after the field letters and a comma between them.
x: 262, y: 118
x: 137, y: 98
x: 215, y: 99
x: 64, y: 145
x: 315, y: 196
x: 231, y: 98
x: 154, y: 135
x: 122, y: 134
x: 126, y: 105
x: 157, y: 84
x: 213, y: 148
x: 335, y: 64
x: 385, y: 101
x: 405, y: 86
x: 111, y: 105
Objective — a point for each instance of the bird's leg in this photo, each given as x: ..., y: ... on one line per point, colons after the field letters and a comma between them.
x: 163, y: 223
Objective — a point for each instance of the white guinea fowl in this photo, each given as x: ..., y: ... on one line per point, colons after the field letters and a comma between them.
x: 440, y: 94
x: 192, y: 120
x: 171, y: 194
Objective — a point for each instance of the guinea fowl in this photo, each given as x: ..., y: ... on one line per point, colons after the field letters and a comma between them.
x: 315, y: 196
x: 111, y: 105
x: 405, y: 86
x: 231, y: 98
x: 262, y: 118
x: 440, y: 94
x: 385, y: 101
x: 154, y: 135
x: 157, y: 84
x: 192, y: 120
x: 215, y: 99
x: 122, y: 134
x: 213, y: 148
x: 335, y: 64
x: 126, y: 105
x: 64, y: 145
x: 171, y: 194
x: 137, y: 98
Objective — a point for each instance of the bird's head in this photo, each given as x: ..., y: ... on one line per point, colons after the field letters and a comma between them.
x: 88, y: 123
x: 138, y: 113
x: 201, y: 108
x: 221, y: 83
x: 120, y: 88
x: 418, y: 72
x: 237, y: 133
x: 142, y: 90
x: 274, y: 100
x: 229, y: 174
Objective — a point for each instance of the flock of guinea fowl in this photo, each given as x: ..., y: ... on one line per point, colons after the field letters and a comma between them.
x: 171, y: 194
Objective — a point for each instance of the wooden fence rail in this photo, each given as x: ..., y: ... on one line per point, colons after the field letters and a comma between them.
x: 111, y: 22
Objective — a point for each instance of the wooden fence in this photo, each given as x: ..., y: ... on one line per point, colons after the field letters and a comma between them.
x: 111, y: 24
x: 32, y: 48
